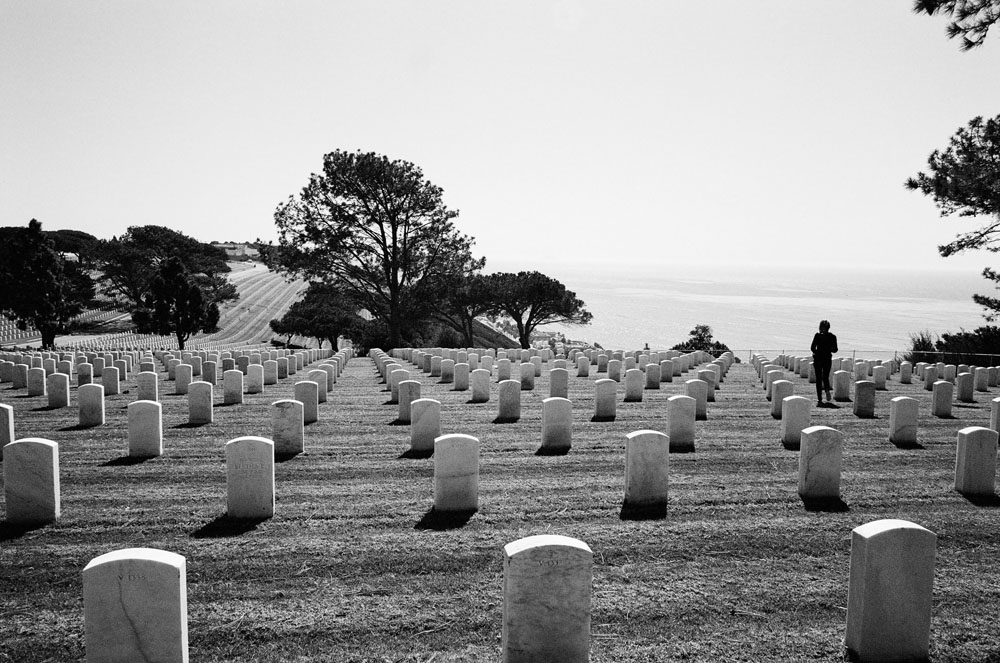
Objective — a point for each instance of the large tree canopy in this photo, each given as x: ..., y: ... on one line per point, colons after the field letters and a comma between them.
x: 175, y: 304
x: 531, y: 299
x: 377, y: 229
x: 324, y: 313
x: 129, y: 263
x: 964, y: 180
x: 470, y: 297
x: 38, y: 287
x: 971, y: 19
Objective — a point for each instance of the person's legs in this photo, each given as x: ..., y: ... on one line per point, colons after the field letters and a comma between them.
x: 822, y: 379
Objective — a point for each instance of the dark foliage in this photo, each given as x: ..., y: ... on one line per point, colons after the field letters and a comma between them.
x: 38, y: 287
x: 964, y: 180
x: 971, y: 19
x: 324, y: 313
x: 531, y: 299
x: 129, y: 263
x: 378, y: 230
x: 700, y: 338
x: 175, y: 304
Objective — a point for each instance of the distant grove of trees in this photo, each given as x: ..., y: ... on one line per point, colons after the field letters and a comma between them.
x: 171, y: 283
x: 376, y: 233
x: 368, y: 233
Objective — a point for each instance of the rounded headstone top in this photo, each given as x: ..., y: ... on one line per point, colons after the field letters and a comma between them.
x: 148, y: 554
x: 544, y: 540
x: 815, y: 429
x: 877, y: 527
x: 971, y: 430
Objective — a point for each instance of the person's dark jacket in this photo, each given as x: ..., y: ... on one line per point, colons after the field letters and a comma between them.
x: 824, y: 345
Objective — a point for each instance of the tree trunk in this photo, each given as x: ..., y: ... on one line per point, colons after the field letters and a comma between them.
x: 48, y: 337
x: 470, y: 333
x: 395, y: 335
x: 523, y: 334
x: 180, y: 340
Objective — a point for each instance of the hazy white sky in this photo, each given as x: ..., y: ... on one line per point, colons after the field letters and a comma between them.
x: 563, y: 131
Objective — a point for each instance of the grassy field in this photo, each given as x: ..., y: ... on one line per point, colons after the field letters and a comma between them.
x: 352, y: 568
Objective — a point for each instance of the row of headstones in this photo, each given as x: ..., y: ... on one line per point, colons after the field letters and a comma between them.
x: 979, y: 378
x: 52, y: 379
x: 135, y: 599
x: 31, y: 465
x: 145, y: 417
x: 441, y: 362
x: 556, y: 409
x: 821, y: 453
x: 32, y: 487
x: 903, y: 411
x: 649, y: 376
x: 66, y: 362
x: 200, y: 393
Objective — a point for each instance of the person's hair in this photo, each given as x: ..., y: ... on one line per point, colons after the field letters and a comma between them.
x: 824, y: 325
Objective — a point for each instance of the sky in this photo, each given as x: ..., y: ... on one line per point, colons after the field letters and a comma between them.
x: 565, y: 132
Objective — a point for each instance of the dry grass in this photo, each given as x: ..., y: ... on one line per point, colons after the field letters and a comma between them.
x: 738, y: 570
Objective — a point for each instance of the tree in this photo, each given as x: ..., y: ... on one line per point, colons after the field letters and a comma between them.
x: 175, y: 304
x: 38, y: 287
x: 378, y: 230
x: 964, y: 179
x: 76, y: 242
x: 129, y: 264
x: 531, y: 299
x: 700, y: 338
x: 972, y: 18
x: 324, y: 313
x: 470, y: 297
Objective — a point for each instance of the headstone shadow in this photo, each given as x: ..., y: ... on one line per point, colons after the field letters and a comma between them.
x: 226, y: 404
x: 444, y: 520
x: 791, y: 446
x: 908, y: 445
x: 596, y: 419
x: 552, y: 451
x: 416, y: 453
x: 825, y: 504
x: 11, y: 531
x: 390, y: 402
x: 224, y: 526
x: 985, y: 501
x: 126, y: 461
x: 285, y: 457
x: 398, y: 422
x: 46, y: 408
x: 505, y: 420
x: 190, y: 425
x: 643, y: 511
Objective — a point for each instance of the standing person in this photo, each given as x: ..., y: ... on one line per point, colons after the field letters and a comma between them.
x: 823, y: 346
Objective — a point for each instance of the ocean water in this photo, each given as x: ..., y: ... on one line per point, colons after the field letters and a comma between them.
x: 771, y: 310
